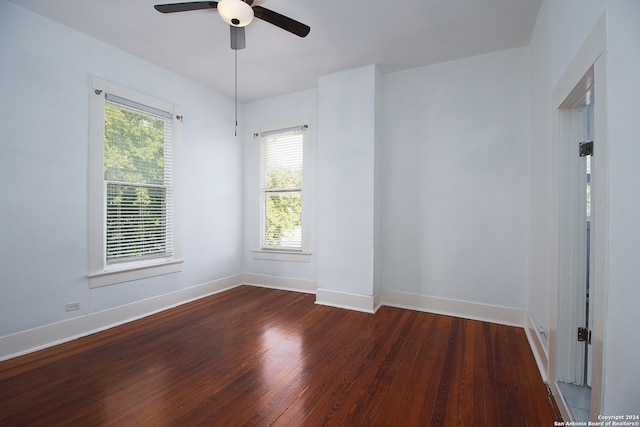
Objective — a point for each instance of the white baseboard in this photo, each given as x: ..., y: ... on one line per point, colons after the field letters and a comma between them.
x: 57, y: 333
x: 468, y: 310
x: 283, y: 283
x: 537, y: 347
x: 357, y: 302
x: 541, y: 355
x: 42, y: 337
x: 563, y: 406
x: 377, y: 301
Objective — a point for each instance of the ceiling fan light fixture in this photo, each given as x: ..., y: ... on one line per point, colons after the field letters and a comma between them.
x: 235, y: 12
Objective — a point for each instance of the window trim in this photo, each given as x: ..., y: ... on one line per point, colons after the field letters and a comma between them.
x: 280, y: 254
x: 101, y: 273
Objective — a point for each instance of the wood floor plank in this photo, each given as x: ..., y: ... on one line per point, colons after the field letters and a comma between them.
x: 433, y: 360
x: 260, y: 357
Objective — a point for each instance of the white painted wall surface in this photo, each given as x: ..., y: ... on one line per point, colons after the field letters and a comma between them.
x: 569, y: 23
x: 345, y: 183
x: 540, y: 242
x: 299, y: 107
x: 44, y: 103
x: 622, y: 343
x: 560, y: 30
x: 455, y: 147
x: 378, y: 195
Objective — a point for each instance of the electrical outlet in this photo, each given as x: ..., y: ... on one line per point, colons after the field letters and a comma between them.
x: 71, y: 306
x: 544, y: 332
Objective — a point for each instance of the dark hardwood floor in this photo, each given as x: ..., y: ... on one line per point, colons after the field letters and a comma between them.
x: 253, y: 356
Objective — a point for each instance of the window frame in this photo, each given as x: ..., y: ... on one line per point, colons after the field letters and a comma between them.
x: 283, y: 254
x: 101, y: 273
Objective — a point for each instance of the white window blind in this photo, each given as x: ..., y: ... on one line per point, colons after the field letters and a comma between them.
x: 281, y: 189
x: 137, y: 181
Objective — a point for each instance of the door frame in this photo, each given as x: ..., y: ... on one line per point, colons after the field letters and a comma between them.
x: 589, y: 63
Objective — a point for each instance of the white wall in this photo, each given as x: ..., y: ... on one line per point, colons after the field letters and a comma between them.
x: 540, y: 241
x: 455, y: 138
x: 378, y: 195
x: 569, y: 22
x: 560, y: 30
x: 346, y: 166
x: 285, y: 110
x: 44, y: 103
x: 622, y: 343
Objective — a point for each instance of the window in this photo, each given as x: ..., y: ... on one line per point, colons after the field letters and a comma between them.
x: 281, y: 190
x: 133, y: 231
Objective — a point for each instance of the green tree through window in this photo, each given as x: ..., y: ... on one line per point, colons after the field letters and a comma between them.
x: 282, y: 155
x: 134, y: 172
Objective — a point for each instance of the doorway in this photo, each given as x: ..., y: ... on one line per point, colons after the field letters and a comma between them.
x: 580, y: 100
x: 575, y: 295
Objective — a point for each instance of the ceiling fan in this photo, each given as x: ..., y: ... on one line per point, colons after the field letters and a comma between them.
x: 238, y: 14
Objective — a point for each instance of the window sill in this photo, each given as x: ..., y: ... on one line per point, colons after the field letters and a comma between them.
x: 128, y: 273
x: 275, y: 255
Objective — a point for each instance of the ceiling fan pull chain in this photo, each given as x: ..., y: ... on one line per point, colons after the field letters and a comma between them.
x: 238, y: 14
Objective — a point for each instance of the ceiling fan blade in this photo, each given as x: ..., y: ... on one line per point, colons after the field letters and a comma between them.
x: 183, y: 7
x: 237, y: 38
x: 286, y: 23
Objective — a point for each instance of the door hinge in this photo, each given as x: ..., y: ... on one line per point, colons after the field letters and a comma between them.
x: 584, y: 335
x: 586, y: 149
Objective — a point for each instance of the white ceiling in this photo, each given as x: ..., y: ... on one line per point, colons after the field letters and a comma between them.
x: 395, y: 34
